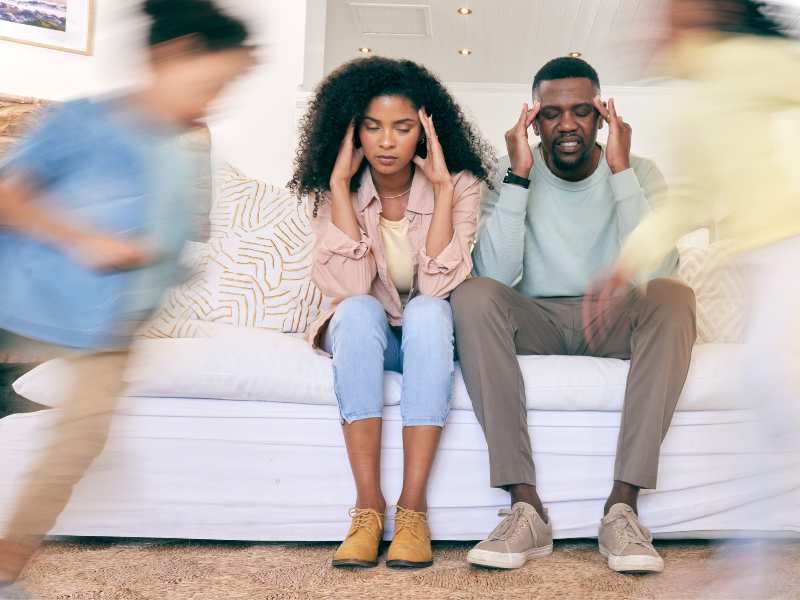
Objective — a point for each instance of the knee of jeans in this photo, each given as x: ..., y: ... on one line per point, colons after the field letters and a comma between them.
x: 431, y: 409
x: 475, y: 298
x: 359, y: 313
x: 425, y: 312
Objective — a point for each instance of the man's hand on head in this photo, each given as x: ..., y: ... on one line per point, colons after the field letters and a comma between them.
x: 618, y: 147
x: 519, y: 148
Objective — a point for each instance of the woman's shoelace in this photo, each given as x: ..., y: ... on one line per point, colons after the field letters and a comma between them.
x: 406, y: 519
x: 361, y: 518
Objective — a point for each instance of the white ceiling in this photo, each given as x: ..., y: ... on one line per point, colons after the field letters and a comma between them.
x: 509, y: 39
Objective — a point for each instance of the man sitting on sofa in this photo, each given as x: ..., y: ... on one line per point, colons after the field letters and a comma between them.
x: 550, y: 228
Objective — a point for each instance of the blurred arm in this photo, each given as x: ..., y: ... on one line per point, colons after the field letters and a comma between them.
x: 636, y: 201
x: 20, y: 212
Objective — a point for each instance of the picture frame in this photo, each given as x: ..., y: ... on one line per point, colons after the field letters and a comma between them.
x: 65, y: 25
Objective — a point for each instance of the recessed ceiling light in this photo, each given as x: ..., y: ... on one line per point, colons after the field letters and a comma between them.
x: 465, y: 51
x: 365, y: 50
x: 464, y: 11
x: 575, y: 54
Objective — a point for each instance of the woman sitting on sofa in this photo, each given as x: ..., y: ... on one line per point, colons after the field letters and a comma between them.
x: 393, y: 172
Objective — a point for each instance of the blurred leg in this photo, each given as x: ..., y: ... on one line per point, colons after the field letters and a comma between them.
x: 76, y: 439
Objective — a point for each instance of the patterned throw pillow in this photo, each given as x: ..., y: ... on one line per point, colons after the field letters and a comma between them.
x: 256, y: 268
x: 719, y: 289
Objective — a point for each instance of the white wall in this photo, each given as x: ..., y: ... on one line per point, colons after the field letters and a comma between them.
x: 255, y: 126
x: 255, y: 129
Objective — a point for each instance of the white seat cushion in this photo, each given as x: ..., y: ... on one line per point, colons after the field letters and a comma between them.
x: 598, y: 384
x: 261, y: 365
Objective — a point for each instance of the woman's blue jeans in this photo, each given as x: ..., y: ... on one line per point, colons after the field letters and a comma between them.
x: 363, y: 345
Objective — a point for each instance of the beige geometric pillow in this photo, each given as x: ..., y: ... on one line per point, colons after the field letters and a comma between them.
x: 256, y: 269
x: 180, y: 315
x: 719, y: 289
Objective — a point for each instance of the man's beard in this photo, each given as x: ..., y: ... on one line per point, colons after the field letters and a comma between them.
x: 571, y: 165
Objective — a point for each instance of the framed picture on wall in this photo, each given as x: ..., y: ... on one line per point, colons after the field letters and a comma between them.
x: 58, y: 24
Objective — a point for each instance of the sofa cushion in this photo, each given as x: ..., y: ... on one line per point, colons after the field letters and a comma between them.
x: 260, y: 365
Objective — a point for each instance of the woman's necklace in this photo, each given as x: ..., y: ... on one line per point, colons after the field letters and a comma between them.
x: 394, y: 197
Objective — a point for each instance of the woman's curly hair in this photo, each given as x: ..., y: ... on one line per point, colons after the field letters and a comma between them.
x: 345, y: 95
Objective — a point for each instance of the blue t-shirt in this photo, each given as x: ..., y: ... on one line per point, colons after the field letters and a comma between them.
x: 105, y: 164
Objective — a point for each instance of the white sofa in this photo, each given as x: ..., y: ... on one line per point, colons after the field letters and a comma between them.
x: 236, y: 436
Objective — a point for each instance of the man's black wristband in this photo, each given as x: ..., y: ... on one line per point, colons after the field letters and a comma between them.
x: 516, y: 179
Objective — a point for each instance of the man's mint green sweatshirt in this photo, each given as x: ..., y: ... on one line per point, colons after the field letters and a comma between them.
x: 558, y: 237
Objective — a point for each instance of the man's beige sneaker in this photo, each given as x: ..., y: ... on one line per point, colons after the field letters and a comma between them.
x: 522, y: 535
x: 626, y: 543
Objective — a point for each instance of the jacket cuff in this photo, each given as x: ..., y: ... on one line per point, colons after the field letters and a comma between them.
x: 625, y: 185
x: 448, y: 259
x: 338, y: 242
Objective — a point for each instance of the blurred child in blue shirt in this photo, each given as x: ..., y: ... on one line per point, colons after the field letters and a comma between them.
x: 93, y: 216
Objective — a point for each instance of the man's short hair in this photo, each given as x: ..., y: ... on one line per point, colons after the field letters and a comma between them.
x: 566, y: 67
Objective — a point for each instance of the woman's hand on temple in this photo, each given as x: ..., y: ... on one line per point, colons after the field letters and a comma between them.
x: 348, y: 160
x: 433, y: 165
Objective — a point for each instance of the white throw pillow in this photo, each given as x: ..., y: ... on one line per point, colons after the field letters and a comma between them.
x: 233, y: 364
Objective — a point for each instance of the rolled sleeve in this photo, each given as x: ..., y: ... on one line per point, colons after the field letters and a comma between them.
x: 337, y: 242
x: 449, y: 258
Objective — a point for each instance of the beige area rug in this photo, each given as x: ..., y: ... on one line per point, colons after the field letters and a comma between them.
x: 166, y: 570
